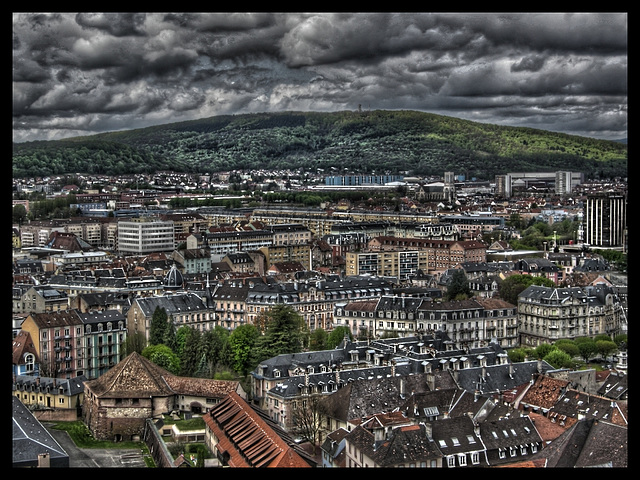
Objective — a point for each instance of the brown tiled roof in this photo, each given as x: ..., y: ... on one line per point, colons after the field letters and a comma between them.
x: 56, y: 319
x: 547, y: 429
x: 201, y: 387
x: 545, y: 391
x: 135, y: 376
x: 245, y: 439
x: 23, y: 344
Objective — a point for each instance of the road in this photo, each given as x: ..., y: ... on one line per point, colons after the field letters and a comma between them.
x: 97, y: 457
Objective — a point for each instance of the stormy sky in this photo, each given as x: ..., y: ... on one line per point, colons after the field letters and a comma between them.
x: 84, y: 73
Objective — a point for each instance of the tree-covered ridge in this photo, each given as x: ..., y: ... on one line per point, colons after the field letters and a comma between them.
x: 361, y: 142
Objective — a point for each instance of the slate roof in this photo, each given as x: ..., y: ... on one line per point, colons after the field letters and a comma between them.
x: 455, y: 435
x: 421, y: 406
x: 175, y: 303
x: 64, y: 386
x: 575, y: 404
x: 511, y: 432
x: 588, y: 443
x: 333, y: 447
x: 31, y: 439
x: 499, y: 378
x: 106, y: 316
x: 367, y: 397
x: 615, y: 386
x: 409, y: 444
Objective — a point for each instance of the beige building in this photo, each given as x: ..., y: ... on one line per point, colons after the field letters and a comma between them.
x: 548, y: 314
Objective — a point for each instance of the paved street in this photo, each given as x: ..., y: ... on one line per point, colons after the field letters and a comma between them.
x: 97, y: 457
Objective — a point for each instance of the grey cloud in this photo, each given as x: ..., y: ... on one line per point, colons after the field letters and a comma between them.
x: 92, y: 71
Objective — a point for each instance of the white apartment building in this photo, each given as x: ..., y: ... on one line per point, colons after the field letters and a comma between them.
x: 143, y: 235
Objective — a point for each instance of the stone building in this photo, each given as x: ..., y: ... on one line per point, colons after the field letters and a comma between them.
x: 117, y: 404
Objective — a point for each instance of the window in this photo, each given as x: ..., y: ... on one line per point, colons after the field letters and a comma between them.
x: 451, y: 461
x: 462, y: 460
x: 475, y: 458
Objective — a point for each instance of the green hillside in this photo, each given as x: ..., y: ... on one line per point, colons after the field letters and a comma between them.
x: 415, y: 143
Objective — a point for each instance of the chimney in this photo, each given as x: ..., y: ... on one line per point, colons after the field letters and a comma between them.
x: 44, y: 460
x: 428, y: 428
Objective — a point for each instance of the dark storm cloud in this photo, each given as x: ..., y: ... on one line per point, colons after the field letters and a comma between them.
x: 77, y: 74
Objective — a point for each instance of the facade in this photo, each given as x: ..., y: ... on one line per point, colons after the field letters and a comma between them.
x: 469, y: 323
x: 547, y: 314
x: 605, y: 220
x: 193, y: 260
x: 46, y: 393
x: 105, y: 333
x: 297, y: 252
x: 182, y: 308
x: 143, y: 235
x: 315, y: 301
x: 71, y: 343
x: 221, y: 244
x: 42, y: 299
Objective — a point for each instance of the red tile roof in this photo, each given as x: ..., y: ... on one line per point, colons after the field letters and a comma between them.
x: 245, y: 439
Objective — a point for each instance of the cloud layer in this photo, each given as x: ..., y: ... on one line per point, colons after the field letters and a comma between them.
x: 85, y: 73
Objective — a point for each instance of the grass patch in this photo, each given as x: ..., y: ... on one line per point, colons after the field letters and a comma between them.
x: 82, y: 437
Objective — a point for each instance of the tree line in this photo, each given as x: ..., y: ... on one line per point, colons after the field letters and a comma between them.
x: 360, y: 142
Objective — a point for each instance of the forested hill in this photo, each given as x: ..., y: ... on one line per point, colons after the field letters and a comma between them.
x: 415, y: 143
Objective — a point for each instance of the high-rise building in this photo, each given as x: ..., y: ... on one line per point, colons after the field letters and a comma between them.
x: 605, y: 220
x: 143, y: 235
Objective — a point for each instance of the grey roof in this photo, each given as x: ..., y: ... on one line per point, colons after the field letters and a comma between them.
x: 615, y: 386
x: 31, y: 439
x: 178, y: 303
x: 407, y: 445
x: 113, y: 316
x: 499, y: 377
x: 455, y: 435
x: 68, y: 386
x: 588, y: 443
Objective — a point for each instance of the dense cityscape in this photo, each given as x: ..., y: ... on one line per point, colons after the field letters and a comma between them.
x: 315, y: 320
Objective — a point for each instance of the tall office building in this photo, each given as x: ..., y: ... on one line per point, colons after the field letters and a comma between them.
x: 143, y: 235
x: 605, y: 220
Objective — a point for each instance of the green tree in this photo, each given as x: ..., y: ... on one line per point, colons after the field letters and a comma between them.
x: 285, y: 332
x: 458, y: 288
x: 512, y: 286
x: 163, y: 356
x: 19, y: 214
x: 158, y: 327
x: 217, y: 350
x: 337, y: 335
x: 191, y: 354
x: 517, y: 355
x: 606, y: 348
x: 559, y: 359
x: 242, y: 342
x: 621, y: 341
x: 587, y: 347
x: 170, y: 339
x: 544, y: 349
x: 318, y: 340
x: 135, y: 342
x: 568, y: 346
x: 181, y: 338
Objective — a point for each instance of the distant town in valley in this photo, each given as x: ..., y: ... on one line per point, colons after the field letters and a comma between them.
x: 322, y: 318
